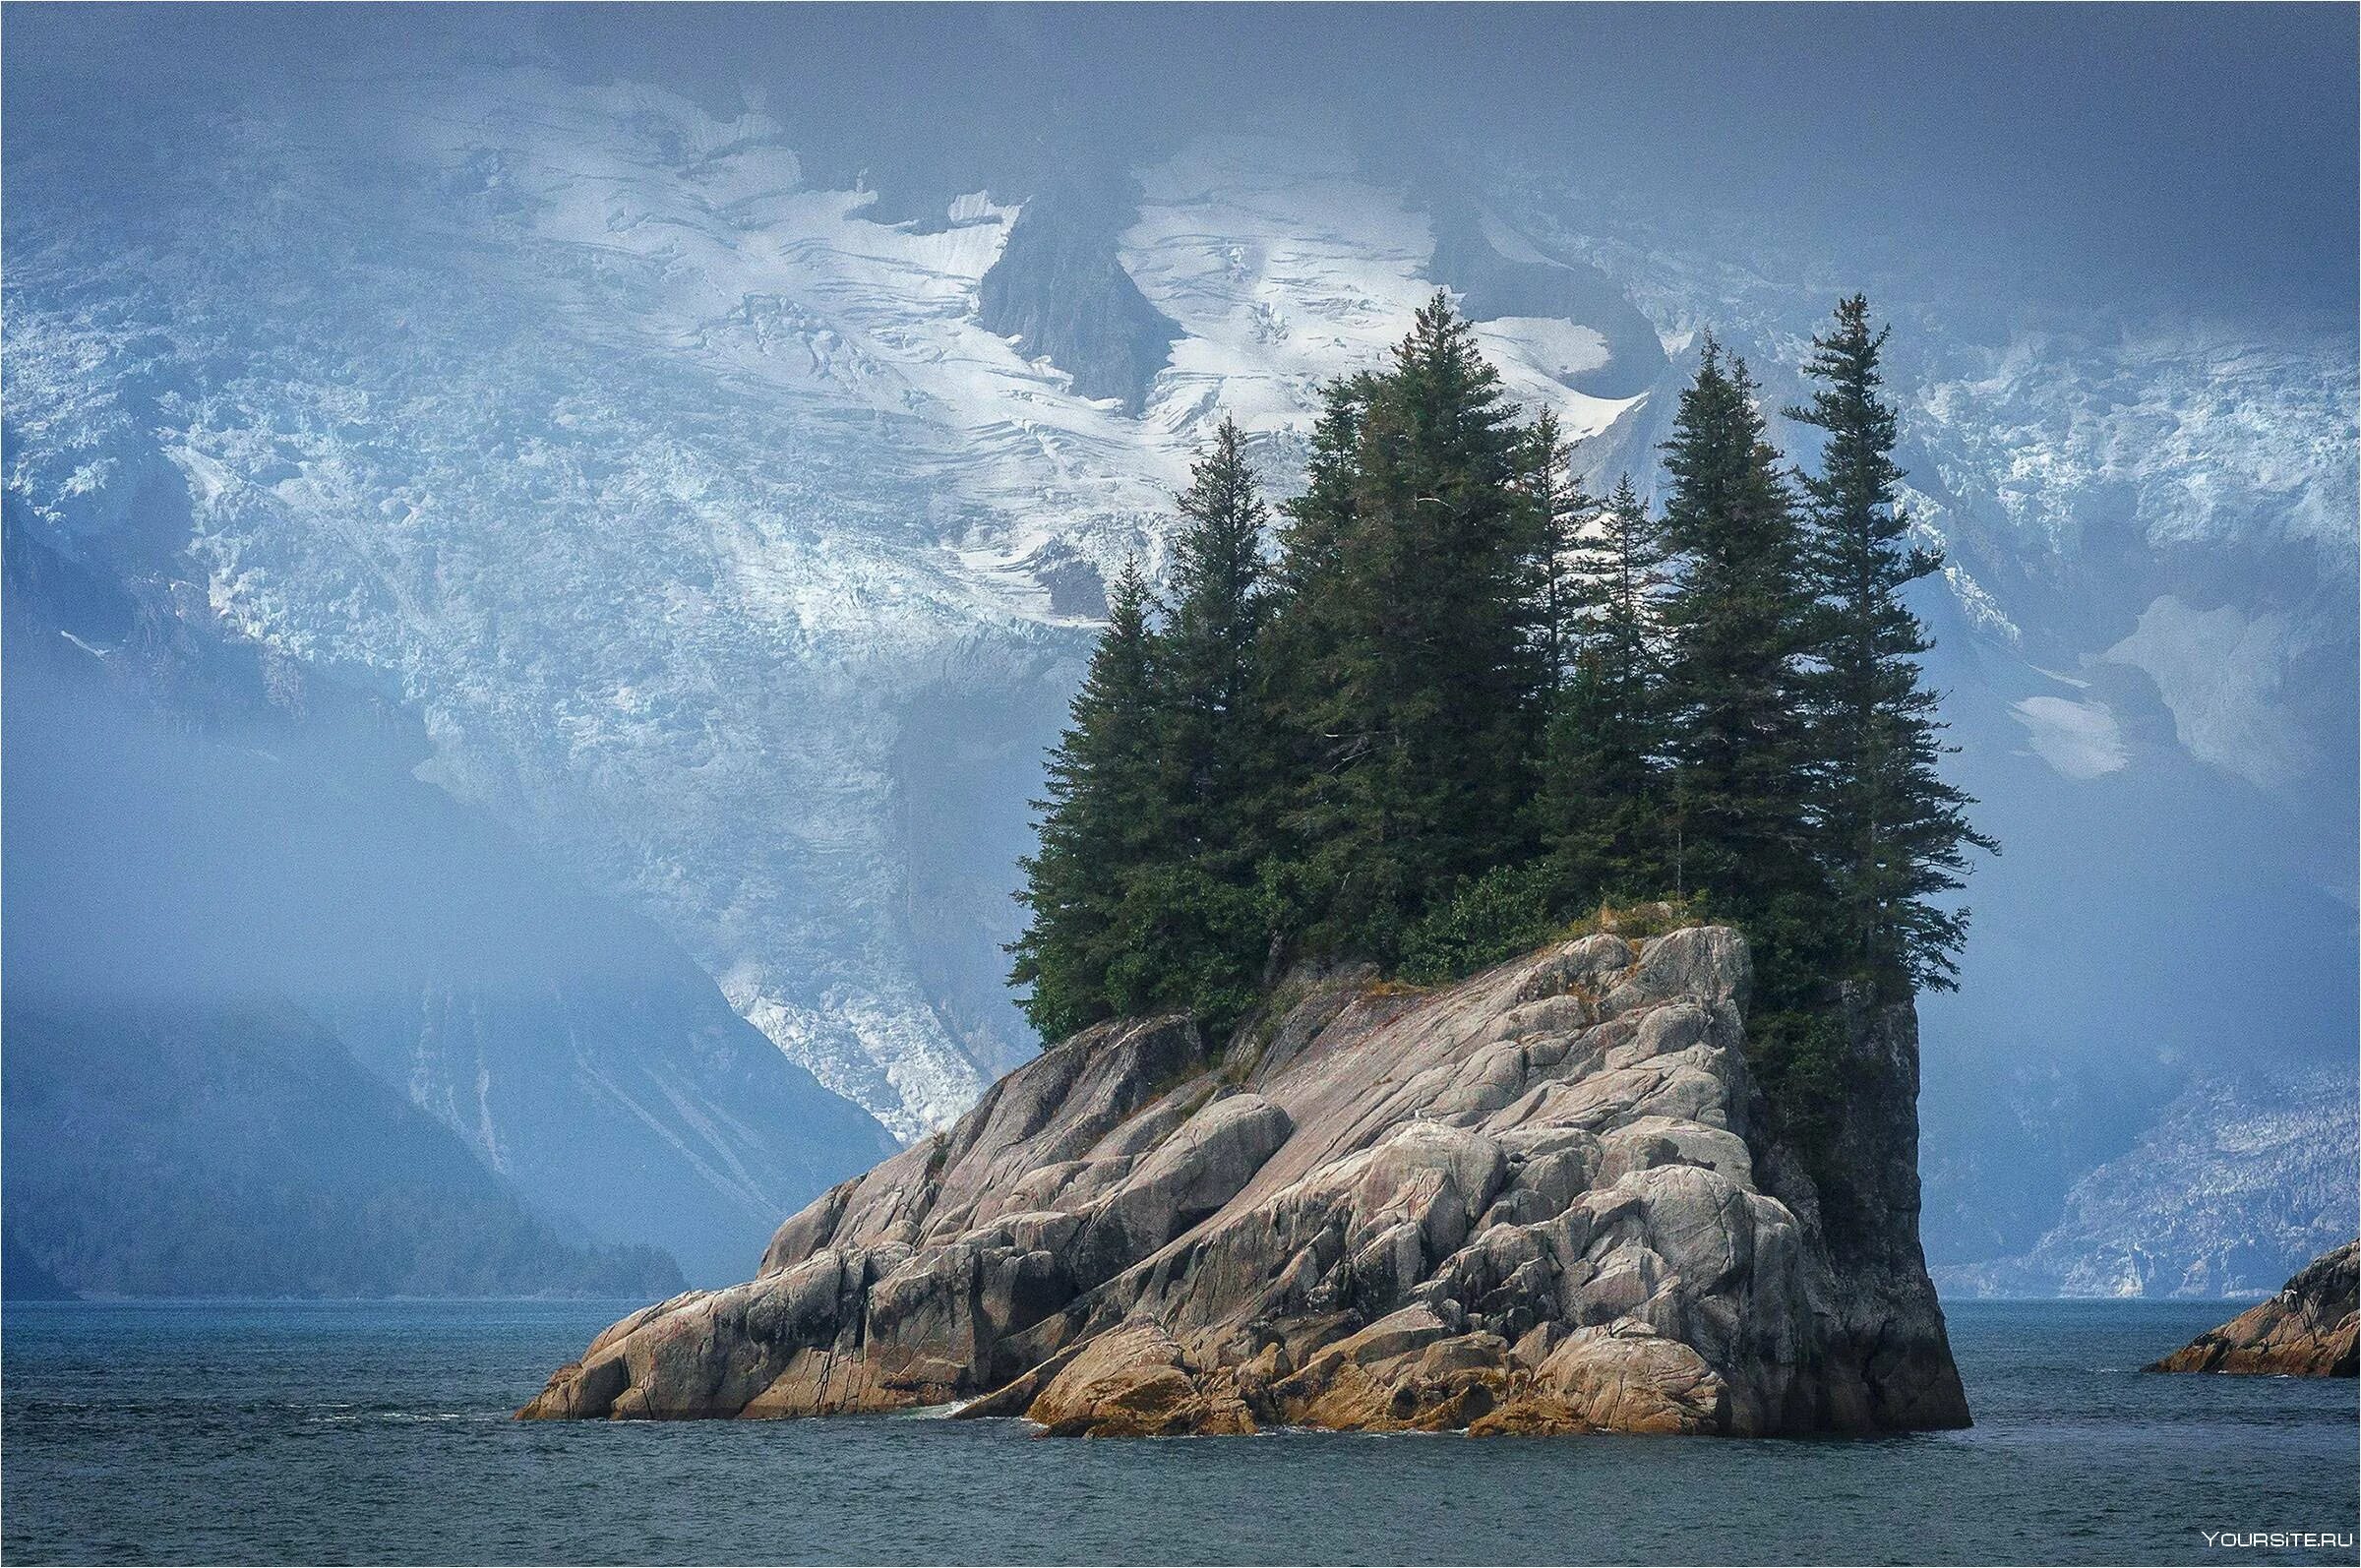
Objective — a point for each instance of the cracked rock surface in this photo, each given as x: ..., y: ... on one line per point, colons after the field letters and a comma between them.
x: 1545, y: 1199
x: 2311, y: 1329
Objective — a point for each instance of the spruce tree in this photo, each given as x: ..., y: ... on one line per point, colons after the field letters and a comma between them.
x: 1198, y: 929
x: 1740, y: 625
x: 1893, y: 834
x: 1312, y: 586
x: 1556, y: 507
x: 1413, y: 658
x: 1604, y: 791
x: 1217, y: 745
x: 1309, y: 622
x: 1318, y: 521
x: 1101, y: 826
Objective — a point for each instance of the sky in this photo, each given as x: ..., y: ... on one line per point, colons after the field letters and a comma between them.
x: 2198, y: 156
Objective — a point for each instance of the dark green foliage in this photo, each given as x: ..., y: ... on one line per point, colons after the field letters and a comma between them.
x: 1102, y: 826
x: 1194, y: 931
x: 1738, y: 622
x: 1556, y: 507
x: 1507, y: 911
x: 1163, y: 795
x: 1413, y: 666
x: 1185, y: 939
x: 1219, y: 736
x: 1799, y: 1055
x: 1320, y: 521
x: 1604, y: 787
x: 1893, y: 834
x: 1467, y: 706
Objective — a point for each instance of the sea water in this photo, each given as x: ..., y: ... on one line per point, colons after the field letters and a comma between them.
x: 381, y: 1432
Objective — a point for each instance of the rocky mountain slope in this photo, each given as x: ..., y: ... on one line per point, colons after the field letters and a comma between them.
x: 216, y: 863
x: 730, y: 522
x: 1542, y: 1200
x: 2237, y: 1184
x: 2312, y: 1328
x: 23, y: 1277
x: 725, y: 548
x: 239, y: 1150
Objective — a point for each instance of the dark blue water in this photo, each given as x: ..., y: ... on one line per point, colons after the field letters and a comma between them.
x: 281, y: 1432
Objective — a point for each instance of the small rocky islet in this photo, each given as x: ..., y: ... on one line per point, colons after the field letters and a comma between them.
x: 1546, y: 1199
x: 2312, y: 1328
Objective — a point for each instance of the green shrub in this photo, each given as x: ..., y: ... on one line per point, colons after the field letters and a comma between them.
x: 1499, y: 915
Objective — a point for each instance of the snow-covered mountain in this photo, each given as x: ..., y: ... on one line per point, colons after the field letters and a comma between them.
x: 738, y: 547
x: 2240, y: 1183
x: 269, y: 994
x: 697, y: 514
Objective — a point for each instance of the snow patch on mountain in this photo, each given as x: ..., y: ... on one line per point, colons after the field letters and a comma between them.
x: 667, y: 487
x: 2219, y: 672
x: 2043, y: 458
x: 609, y: 459
x: 2192, y: 435
x: 1286, y: 269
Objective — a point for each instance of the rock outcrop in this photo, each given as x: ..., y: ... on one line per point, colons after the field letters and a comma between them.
x: 2311, y: 1329
x: 1546, y: 1199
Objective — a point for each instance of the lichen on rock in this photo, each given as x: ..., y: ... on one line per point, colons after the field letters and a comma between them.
x: 1546, y: 1199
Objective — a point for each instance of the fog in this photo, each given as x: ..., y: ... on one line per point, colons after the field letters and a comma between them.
x: 189, y: 816
x: 2190, y: 155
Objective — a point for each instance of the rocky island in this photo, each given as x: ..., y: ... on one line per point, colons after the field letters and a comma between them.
x: 2311, y: 1329
x: 1546, y: 1199
x: 1479, y: 1162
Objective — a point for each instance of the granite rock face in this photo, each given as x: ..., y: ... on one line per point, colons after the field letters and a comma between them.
x: 1542, y: 1200
x: 2311, y: 1329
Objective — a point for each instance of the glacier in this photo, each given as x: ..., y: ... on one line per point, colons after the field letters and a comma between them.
x: 732, y: 561
x: 668, y: 488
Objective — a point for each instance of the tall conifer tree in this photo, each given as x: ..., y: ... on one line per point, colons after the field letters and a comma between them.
x: 1320, y: 521
x: 1195, y: 926
x: 1101, y: 826
x: 1895, y: 835
x: 1605, y: 789
x: 1217, y: 741
x: 1415, y: 665
x: 1558, y: 507
x: 1739, y: 625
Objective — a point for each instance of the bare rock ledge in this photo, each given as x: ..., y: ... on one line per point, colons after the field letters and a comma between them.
x: 1542, y: 1200
x: 2311, y: 1329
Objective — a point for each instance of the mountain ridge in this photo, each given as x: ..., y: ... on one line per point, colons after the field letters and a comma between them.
x: 711, y: 534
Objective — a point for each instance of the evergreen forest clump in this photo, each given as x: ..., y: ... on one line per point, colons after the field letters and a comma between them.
x: 1465, y: 706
